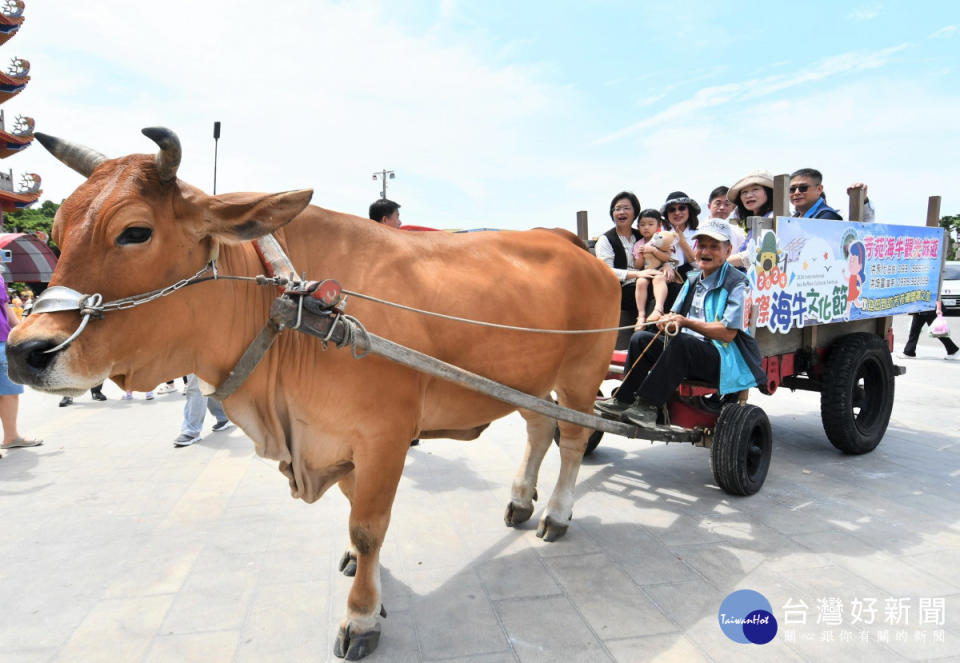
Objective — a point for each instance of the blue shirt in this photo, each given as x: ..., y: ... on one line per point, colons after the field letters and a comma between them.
x: 732, y: 312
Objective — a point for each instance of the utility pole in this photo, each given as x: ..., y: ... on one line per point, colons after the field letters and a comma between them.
x: 216, y: 138
x: 383, y: 175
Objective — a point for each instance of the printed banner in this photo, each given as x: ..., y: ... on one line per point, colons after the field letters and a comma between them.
x: 816, y: 271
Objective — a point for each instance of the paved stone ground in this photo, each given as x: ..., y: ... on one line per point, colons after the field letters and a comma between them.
x: 114, y: 546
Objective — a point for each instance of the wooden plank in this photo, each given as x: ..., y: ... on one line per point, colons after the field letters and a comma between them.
x: 781, y: 195
x: 583, y: 232
x: 858, y: 199
x: 933, y: 211
x: 810, y: 337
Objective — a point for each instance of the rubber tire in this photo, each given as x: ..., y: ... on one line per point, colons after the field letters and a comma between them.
x: 742, y: 448
x: 858, y: 374
x: 592, y: 442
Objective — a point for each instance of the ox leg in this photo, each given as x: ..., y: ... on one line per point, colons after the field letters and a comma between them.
x: 371, y: 493
x: 348, y: 562
x: 559, y: 511
x: 524, y: 490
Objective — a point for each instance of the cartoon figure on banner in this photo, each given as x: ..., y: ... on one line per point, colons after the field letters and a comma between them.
x: 771, y: 263
x: 777, y: 307
x: 856, y: 254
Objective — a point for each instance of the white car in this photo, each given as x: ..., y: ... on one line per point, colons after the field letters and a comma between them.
x: 950, y: 287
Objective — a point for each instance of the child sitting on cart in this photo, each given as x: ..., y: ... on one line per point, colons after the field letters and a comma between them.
x: 653, y: 252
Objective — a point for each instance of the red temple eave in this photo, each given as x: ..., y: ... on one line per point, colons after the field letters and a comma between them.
x: 12, y: 143
x: 11, y: 201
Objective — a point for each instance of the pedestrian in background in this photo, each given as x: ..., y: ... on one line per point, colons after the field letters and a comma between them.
x: 9, y: 391
x: 193, y: 414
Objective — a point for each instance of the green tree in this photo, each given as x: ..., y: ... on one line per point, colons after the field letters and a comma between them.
x: 32, y: 219
x: 952, y: 226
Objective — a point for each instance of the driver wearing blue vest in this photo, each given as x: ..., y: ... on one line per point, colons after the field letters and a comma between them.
x: 713, y: 344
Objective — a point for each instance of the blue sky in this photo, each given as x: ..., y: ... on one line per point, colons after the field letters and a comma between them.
x: 508, y: 115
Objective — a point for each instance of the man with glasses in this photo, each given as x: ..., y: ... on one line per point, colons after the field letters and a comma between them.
x: 806, y: 194
x: 720, y: 206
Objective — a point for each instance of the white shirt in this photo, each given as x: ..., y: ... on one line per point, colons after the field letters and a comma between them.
x: 605, y: 253
x: 688, y: 232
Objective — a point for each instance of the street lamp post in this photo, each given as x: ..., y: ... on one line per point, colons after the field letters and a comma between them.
x: 383, y: 175
x: 216, y: 138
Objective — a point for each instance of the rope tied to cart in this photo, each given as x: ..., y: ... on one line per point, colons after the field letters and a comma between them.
x: 671, y: 329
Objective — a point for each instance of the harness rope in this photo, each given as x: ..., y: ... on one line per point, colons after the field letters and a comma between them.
x: 94, y: 305
x: 495, y: 325
x: 60, y: 298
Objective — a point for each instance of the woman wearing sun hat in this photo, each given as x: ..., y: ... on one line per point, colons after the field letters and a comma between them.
x: 753, y: 196
x: 682, y: 215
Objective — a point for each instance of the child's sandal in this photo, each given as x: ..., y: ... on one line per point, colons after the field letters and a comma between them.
x: 656, y: 315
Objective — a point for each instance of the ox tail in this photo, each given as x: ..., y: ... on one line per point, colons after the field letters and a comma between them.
x: 567, y: 235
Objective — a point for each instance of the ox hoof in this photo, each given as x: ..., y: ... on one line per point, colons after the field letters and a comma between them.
x: 517, y: 514
x: 550, y: 529
x: 354, y: 646
x: 348, y: 564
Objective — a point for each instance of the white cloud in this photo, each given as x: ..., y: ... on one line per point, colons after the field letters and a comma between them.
x: 946, y: 32
x: 335, y: 94
x: 317, y: 95
x: 717, y: 95
x: 864, y: 14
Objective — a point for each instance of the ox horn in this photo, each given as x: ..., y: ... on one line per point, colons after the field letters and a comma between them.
x: 81, y: 159
x: 168, y: 158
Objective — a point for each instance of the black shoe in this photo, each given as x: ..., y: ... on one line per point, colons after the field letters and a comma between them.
x: 610, y: 408
x: 641, y: 413
x: 65, y: 401
x: 98, y: 396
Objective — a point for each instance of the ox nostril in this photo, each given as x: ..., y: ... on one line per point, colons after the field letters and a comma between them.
x: 30, y: 355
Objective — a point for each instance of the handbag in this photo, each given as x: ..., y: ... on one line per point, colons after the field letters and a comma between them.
x: 939, y: 328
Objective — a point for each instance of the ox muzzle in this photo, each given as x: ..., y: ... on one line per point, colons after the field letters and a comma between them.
x: 30, y: 360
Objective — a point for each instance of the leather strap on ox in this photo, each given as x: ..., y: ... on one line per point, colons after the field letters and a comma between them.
x: 313, y: 297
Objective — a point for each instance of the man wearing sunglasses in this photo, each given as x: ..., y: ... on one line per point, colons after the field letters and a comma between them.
x: 806, y: 194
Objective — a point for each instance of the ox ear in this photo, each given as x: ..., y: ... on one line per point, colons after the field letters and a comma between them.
x: 244, y: 216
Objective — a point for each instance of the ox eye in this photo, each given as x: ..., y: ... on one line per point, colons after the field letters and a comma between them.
x: 134, y: 235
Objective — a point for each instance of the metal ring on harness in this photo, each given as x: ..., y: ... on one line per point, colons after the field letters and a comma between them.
x: 299, y: 314
x: 88, y: 306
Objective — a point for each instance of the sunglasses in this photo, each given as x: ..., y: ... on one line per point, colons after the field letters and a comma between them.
x: 676, y: 208
x: 802, y: 188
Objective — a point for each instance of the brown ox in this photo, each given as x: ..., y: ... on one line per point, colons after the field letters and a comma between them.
x: 325, y: 416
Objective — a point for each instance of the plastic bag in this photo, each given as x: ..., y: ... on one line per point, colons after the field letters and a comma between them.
x: 939, y: 328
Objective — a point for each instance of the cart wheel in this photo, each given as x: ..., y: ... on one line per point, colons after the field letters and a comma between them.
x: 592, y: 442
x: 713, y: 403
x: 857, y: 394
x: 742, y: 446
